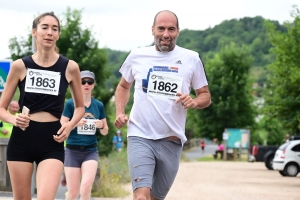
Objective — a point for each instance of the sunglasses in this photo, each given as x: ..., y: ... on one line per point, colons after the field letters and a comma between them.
x: 90, y: 82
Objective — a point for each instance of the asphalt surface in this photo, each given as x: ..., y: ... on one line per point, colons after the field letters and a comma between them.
x: 191, y: 154
x: 197, y: 152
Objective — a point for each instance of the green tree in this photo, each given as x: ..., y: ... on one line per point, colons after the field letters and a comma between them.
x: 245, y: 31
x: 77, y: 43
x: 231, y: 104
x: 283, y: 96
x: 274, y: 129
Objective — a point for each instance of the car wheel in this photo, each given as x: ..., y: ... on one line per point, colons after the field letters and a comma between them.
x: 282, y: 173
x: 269, y: 162
x: 291, y: 169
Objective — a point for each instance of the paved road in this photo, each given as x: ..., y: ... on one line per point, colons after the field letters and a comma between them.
x: 196, y: 152
x: 192, y: 154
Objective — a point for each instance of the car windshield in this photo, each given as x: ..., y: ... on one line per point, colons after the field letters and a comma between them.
x: 283, y: 147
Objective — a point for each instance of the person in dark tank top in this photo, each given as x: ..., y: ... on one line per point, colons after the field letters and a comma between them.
x: 43, y: 79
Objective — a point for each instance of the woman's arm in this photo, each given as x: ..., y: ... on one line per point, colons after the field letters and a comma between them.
x: 75, y: 85
x: 104, y: 130
x: 17, y: 73
x: 74, y: 79
x: 64, y: 120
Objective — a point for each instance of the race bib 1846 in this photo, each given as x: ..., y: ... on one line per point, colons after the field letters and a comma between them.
x: 42, y: 81
x: 89, y: 128
x: 164, y: 85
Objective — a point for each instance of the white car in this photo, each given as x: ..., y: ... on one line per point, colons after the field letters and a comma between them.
x: 287, y: 158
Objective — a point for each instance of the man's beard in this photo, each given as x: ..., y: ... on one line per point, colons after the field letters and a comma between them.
x: 164, y: 48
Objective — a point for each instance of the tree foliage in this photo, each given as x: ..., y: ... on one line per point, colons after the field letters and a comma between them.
x: 78, y: 44
x: 231, y: 106
x: 246, y: 31
x: 283, y: 97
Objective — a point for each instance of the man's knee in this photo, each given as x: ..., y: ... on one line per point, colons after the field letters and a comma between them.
x: 153, y: 198
x: 142, y: 193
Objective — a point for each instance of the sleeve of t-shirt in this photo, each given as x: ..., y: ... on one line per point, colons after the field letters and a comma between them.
x: 68, y: 109
x: 126, y: 68
x: 199, y: 79
x: 102, y: 111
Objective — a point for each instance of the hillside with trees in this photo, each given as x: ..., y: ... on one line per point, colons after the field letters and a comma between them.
x: 246, y: 31
x: 250, y: 32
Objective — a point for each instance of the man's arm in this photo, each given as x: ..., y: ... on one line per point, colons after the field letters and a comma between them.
x: 203, y: 98
x: 122, y: 95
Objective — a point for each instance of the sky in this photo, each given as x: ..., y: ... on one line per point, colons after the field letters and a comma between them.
x: 126, y: 24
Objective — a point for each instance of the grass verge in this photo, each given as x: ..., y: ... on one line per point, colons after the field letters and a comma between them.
x: 114, y: 173
x: 210, y: 158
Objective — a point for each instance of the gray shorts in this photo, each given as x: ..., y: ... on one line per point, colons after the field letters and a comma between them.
x: 75, y: 158
x: 153, y: 164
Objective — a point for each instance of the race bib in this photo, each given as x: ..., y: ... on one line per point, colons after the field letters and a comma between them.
x: 164, y: 85
x: 42, y: 81
x: 89, y: 128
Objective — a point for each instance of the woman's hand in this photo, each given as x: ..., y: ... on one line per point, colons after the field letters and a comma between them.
x: 63, y: 133
x: 81, y: 122
x: 22, y: 121
x: 99, y: 124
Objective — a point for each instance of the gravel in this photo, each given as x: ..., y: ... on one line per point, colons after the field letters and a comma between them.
x: 230, y: 181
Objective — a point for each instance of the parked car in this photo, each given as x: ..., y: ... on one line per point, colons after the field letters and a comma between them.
x: 287, y: 158
x: 264, y: 154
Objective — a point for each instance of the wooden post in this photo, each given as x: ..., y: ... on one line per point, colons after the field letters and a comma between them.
x: 225, y: 138
x: 234, y: 154
x: 240, y: 152
x: 225, y: 150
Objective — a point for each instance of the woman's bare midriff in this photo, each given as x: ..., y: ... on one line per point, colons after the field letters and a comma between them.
x: 42, y: 117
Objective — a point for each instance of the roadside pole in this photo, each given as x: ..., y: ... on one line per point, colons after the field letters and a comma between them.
x: 240, y: 151
x: 225, y: 138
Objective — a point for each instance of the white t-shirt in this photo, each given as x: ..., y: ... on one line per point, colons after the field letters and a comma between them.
x: 156, y: 117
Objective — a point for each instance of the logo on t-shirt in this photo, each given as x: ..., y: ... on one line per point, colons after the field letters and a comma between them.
x: 88, y: 116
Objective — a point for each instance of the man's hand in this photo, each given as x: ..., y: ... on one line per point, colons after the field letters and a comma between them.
x: 5, y: 132
x: 186, y: 101
x: 121, y: 121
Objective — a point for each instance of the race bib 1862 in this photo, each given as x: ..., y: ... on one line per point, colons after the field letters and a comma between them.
x: 42, y: 81
x: 164, y: 85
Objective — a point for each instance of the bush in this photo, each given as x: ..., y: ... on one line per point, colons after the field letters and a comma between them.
x: 114, y: 173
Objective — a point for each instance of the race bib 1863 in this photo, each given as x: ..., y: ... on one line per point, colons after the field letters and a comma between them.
x: 42, y: 81
x: 164, y: 85
x: 89, y: 128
